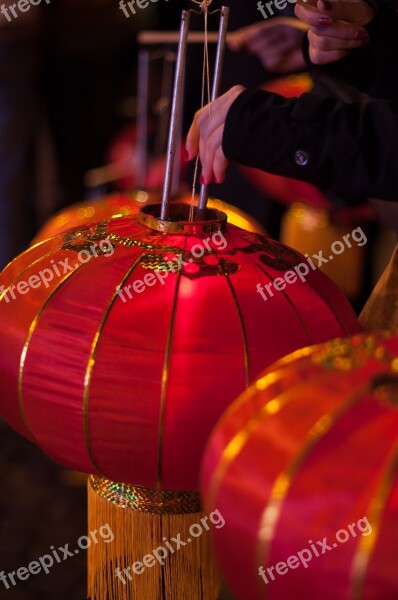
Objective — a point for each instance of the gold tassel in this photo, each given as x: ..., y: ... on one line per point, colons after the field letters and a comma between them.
x: 189, y: 573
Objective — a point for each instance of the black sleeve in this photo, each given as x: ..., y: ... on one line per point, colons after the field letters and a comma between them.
x: 342, y: 147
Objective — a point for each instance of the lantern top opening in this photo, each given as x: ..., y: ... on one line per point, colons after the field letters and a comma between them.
x: 179, y: 221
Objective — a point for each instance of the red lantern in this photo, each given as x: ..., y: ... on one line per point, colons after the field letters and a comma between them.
x: 117, y: 386
x: 124, y: 205
x: 303, y: 468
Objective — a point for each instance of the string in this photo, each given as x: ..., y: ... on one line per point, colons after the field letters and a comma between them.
x: 204, y: 6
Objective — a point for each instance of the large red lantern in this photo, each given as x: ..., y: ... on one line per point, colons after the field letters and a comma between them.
x: 303, y: 468
x: 128, y: 358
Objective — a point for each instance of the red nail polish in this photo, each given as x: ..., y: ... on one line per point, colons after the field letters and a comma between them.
x: 363, y: 36
x: 202, y: 180
x: 325, y: 21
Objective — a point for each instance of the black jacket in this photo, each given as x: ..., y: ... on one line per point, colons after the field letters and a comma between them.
x: 335, y: 137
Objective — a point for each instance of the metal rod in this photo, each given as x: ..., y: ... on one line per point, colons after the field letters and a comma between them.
x: 175, y: 112
x: 177, y: 168
x: 222, y: 36
x: 142, y: 117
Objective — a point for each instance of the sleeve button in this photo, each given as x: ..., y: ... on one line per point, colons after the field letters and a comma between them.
x: 301, y: 158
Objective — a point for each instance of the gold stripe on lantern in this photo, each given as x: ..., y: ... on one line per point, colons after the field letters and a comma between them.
x: 367, y: 544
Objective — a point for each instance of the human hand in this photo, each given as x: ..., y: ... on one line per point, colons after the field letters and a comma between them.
x: 206, y: 134
x: 336, y: 27
x: 277, y: 43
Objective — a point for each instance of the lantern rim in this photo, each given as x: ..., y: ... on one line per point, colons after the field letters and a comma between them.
x: 208, y: 221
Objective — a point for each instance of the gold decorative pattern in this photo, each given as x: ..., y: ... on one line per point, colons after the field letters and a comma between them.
x: 253, y: 248
x: 133, y: 243
x: 348, y: 354
x: 272, y: 253
x: 82, y: 239
x: 157, y: 262
x: 157, y: 502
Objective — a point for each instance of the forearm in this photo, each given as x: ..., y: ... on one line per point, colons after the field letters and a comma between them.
x: 347, y: 148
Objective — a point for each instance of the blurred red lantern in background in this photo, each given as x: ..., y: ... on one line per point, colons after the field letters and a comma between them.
x: 303, y: 468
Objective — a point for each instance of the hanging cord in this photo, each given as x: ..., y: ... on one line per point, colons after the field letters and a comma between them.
x: 204, y: 7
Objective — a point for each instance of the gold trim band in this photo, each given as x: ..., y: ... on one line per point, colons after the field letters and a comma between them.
x: 211, y: 222
x: 156, y: 502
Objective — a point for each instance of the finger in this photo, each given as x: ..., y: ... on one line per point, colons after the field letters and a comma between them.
x: 320, y: 57
x: 229, y: 96
x: 192, y: 141
x: 312, y: 17
x: 327, y: 43
x: 210, y: 120
x: 356, y: 11
x: 342, y: 31
x: 207, y: 118
x: 220, y: 165
x: 208, y: 152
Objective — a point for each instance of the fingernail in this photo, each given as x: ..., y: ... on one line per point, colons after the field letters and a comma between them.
x: 363, y: 36
x: 217, y: 180
x: 186, y: 155
x: 327, y: 5
x: 202, y: 180
x: 325, y: 21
